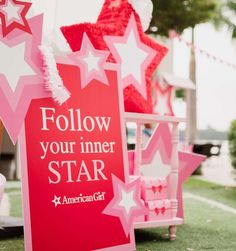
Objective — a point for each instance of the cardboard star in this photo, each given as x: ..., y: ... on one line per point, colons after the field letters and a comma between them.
x: 91, y: 62
x: 13, y: 16
x: 163, y: 104
x: 133, y: 55
x: 161, y: 143
x: 26, y: 83
x: 113, y: 21
x: 126, y: 203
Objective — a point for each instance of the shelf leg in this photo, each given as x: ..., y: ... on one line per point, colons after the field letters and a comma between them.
x: 172, y: 233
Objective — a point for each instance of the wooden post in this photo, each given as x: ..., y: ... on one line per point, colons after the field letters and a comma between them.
x: 138, y: 149
x: 1, y: 136
x: 174, y: 175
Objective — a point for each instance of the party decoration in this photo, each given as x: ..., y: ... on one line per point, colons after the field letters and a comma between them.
x: 53, y: 81
x: 113, y: 21
x: 126, y: 203
x: 21, y: 77
x: 215, y: 58
x: 133, y: 55
x: 91, y: 62
x: 160, y: 147
x: 74, y: 165
x: 13, y: 16
x: 163, y: 105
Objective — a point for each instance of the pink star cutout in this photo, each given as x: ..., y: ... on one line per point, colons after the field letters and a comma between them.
x: 9, y: 19
x: 163, y: 104
x: 91, y: 62
x: 14, y: 104
x: 161, y: 141
x: 126, y: 203
x: 133, y: 55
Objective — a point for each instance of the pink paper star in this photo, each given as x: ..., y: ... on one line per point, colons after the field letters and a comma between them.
x: 133, y: 55
x: 16, y: 97
x: 13, y: 16
x: 163, y: 104
x: 161, y: 143
x: 91, y: 62
x: 126, y: 203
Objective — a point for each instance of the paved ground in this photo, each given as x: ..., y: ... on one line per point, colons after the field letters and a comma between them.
x: 219, y: 170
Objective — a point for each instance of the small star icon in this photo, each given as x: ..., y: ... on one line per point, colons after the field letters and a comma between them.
x: 56, y: 201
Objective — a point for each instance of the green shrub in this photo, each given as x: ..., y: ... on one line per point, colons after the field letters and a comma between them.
x: 232, y: 143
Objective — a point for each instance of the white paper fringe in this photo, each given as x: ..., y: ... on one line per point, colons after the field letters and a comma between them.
x: 53, y: 81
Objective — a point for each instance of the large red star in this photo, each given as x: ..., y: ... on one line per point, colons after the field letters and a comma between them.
x: 161, y: 142
x: 13, y: 16
x: 113, y: 21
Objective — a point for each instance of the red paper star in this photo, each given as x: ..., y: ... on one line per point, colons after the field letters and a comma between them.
x: 13, y: 16
x: 161, y: 143
x: 113, y: 21
x: 163, y: 104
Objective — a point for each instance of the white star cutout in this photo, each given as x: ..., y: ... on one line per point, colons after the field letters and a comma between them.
x: 12, y: 12
x: 13, y: 64
x: 127, y: 201
x: 156, y: 168
x: 132, y: 58
x: 56, y: 201
x: 92, y: 62
x: 161, y: 107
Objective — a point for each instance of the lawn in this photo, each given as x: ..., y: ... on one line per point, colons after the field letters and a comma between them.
x: 206, y: 227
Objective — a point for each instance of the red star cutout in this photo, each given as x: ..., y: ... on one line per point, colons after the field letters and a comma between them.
x: 163, y: 105
x: 161, y: 141
x: 113, y: 21
x: 9, y: 24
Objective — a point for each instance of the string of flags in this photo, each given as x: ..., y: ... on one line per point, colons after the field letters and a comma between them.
x: 173, y: 35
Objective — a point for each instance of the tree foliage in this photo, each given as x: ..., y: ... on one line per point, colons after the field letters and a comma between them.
x: 181, y: 14
x: 232, y: 143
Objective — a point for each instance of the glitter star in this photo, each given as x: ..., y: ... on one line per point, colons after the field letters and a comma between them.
x: 13, y: 16
x: 56, y: 201
x: 91, y: 63
x: 126, y: 203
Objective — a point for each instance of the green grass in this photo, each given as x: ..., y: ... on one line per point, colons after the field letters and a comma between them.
x: 208, y: 190
x: 206, y: 228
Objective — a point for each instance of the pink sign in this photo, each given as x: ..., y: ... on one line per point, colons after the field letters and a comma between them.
x: 73, y: 160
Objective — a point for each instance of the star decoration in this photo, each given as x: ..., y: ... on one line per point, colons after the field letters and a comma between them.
x: 21, y: 68
x: 56, y: 201
x: 21, y: 76
x: 91, y: 62
x: 13, y: 16
x: 113, y: 22
x: 133, y: 55
x: 163, y: 104
x: 161, y: 144
x: 126, y: 203
x: 156, y: 168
